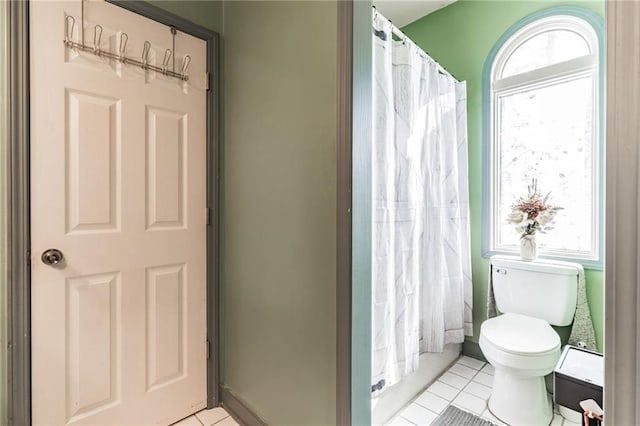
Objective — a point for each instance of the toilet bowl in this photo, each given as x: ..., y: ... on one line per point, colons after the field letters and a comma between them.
x: 520, y: 343
x: 522, y: 350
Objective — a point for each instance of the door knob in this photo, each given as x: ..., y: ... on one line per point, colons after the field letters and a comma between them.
x: 52, y: 257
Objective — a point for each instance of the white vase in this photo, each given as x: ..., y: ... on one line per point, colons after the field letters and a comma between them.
x: 528, y: 248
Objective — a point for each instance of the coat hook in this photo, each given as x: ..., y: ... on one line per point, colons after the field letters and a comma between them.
x: 124, y: 38
x: 70, y: 24
x: 185, y: 64
x: 145, y: 53
x: 166, y: 60
x: 97, y: 37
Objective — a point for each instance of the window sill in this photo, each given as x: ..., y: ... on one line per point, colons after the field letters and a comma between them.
x: 590, y: 264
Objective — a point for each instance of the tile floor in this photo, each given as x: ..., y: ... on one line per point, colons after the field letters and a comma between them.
x: 216, y: 416
x: 466, y: 384
x: 430, y: 367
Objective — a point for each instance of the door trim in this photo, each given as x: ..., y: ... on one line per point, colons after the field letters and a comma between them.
x: 362, y: 266
x: 343, y: 211
x: 18, y: 218
x: 622, y: 245
x: 353, y: 281
x: 18, y: 227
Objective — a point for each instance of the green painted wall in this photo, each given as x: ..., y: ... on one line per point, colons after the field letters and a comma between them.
x: 460, y: 37
x: 279, y: 209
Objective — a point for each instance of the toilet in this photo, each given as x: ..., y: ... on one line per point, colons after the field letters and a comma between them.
x: 520, y: 343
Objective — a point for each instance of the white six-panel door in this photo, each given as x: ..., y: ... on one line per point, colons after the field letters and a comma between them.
x: 118, y: 185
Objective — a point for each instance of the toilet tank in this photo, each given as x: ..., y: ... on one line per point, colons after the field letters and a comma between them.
x: 543, y: 289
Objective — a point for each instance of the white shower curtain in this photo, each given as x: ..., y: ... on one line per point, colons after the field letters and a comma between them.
x: 422, y: 293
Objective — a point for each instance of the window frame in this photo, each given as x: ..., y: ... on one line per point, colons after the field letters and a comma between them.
x: 588, y: 25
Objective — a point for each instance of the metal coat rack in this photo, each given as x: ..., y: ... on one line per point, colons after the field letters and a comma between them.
x: 168, y: 62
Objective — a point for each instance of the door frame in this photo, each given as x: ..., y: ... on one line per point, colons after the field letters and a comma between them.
x: 354, y: 207
x: 18, y: 196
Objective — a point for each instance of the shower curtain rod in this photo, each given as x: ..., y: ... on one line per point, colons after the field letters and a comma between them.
x: 398, y: 32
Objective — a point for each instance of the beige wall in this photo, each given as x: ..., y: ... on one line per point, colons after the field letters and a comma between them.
x: 278, y: 209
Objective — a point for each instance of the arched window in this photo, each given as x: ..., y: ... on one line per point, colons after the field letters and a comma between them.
x: 543, y: 121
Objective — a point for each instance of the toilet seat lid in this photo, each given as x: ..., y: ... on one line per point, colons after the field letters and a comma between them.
x: 519, y: 334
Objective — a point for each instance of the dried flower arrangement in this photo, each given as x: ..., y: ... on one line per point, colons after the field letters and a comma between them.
x: 533, y: 213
